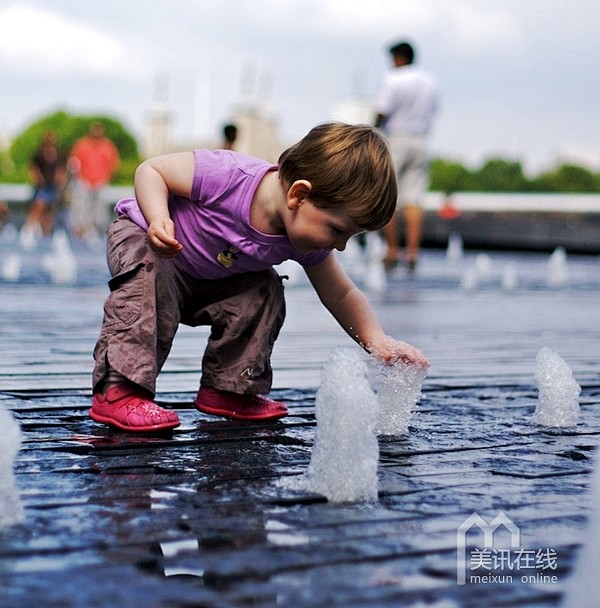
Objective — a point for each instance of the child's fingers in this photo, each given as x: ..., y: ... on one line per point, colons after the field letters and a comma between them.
x: 403, y: 353
x: 164, y: 245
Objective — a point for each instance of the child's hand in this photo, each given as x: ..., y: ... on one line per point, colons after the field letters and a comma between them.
x: 161, y: 236
x: 393, y: 351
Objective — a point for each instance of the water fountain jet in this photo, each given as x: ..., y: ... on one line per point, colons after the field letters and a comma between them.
x: 11, y: 509
x: 345, y: 454
x: 558, y: 400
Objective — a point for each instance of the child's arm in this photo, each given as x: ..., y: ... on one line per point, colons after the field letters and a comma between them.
x: 353, y: 312
x: 154, y: 180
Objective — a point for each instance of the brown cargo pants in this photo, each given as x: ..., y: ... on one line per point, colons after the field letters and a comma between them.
x: 150, y: 297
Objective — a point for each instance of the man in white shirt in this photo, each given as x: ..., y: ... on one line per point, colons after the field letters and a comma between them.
x: 405, y: 110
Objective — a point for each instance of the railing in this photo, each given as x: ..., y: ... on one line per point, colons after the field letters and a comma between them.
x: 18, y: 194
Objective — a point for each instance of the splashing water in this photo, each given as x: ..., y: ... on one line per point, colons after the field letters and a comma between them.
x: 343, y: 464
x: 61, y: 264
x: 558, y: 399
x: 455, y: 248
x: 29, y: 237
x: 11, y: 509
x: 398, y: 394
x: 11, y: 267
x: 583, y: 589
x: 557, y: 270
x: 509, y: 277
x: 375, y: 279
x: 481, y: 271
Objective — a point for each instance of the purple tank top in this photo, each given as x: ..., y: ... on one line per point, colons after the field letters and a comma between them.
x: 213, y: 224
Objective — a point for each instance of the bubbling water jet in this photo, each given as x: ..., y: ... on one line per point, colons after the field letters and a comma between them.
x: 398, y: 393
x: 61, y: 264
x: 345, y: 454
x: 509, y: 277
x: 557, y: 270
x: 11, y: 267
x: 11, y: 509
x: 583, y: 589
x: 558, y: 400
x: 455, y: 248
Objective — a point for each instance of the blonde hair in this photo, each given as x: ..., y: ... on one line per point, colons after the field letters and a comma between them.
x: 349, y: 167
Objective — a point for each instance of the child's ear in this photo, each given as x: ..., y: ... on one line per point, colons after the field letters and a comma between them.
x: 297, y: 192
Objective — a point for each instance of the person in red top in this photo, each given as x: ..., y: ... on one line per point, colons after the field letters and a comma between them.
x: 94, y: 160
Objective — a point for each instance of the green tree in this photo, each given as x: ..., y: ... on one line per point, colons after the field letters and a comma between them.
x: 567, y: 178
x: 449, y: 176
x: 69, y: 128
x: 500, y: 175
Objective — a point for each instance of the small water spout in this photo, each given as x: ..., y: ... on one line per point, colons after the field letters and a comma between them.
x: 11, y: 509
x: 398, y: 393
x: 11, y: 267
x: 375, y: 277
x: 30, y: 236
x: 509, y: 277
x: 61, y: 264
x: 557, y: 269
x: 558, y: 399
x: 477, y: 273
x: 454, y: 249
x: 583, y: 587
x: 9, y: 235
x: 354, y: 258
x: 345, y: 454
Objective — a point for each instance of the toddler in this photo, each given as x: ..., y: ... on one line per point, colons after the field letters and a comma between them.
x: 197, y: 246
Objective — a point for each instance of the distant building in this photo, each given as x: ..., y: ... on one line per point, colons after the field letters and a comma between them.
x: 354, y: 111
x: 158, y: 135
x: 357, y: 109
x: 258, y: 129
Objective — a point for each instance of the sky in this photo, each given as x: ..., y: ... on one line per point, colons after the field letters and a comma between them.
x: 518, y: 79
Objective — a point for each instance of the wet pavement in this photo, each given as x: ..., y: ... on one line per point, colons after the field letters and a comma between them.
x: 196, y: 518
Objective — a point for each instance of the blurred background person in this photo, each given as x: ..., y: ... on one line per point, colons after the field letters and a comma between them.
x: 48, y: 174
x: 4, y: 213
x: 230, y: 132
x: 93, y: 161
x: 406, y: 106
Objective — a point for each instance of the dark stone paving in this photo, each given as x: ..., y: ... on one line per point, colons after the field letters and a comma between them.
x: 196, y: 518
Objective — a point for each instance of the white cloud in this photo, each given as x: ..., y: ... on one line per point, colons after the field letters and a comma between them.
x: 357, y: 15
x: 463, y: 25
x: 33, y: 39
x: 514, y: 75
x: 476, y: 27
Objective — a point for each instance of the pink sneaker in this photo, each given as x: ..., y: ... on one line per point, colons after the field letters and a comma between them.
x: 124, y: 407
x: 241, y: 407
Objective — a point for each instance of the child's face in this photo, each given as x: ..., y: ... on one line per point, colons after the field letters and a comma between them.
x: 315, y: 228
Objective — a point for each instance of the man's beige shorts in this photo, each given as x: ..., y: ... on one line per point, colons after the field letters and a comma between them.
x: 411, y: 160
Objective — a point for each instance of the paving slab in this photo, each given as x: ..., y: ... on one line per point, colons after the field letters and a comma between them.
x: 198, y: 517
